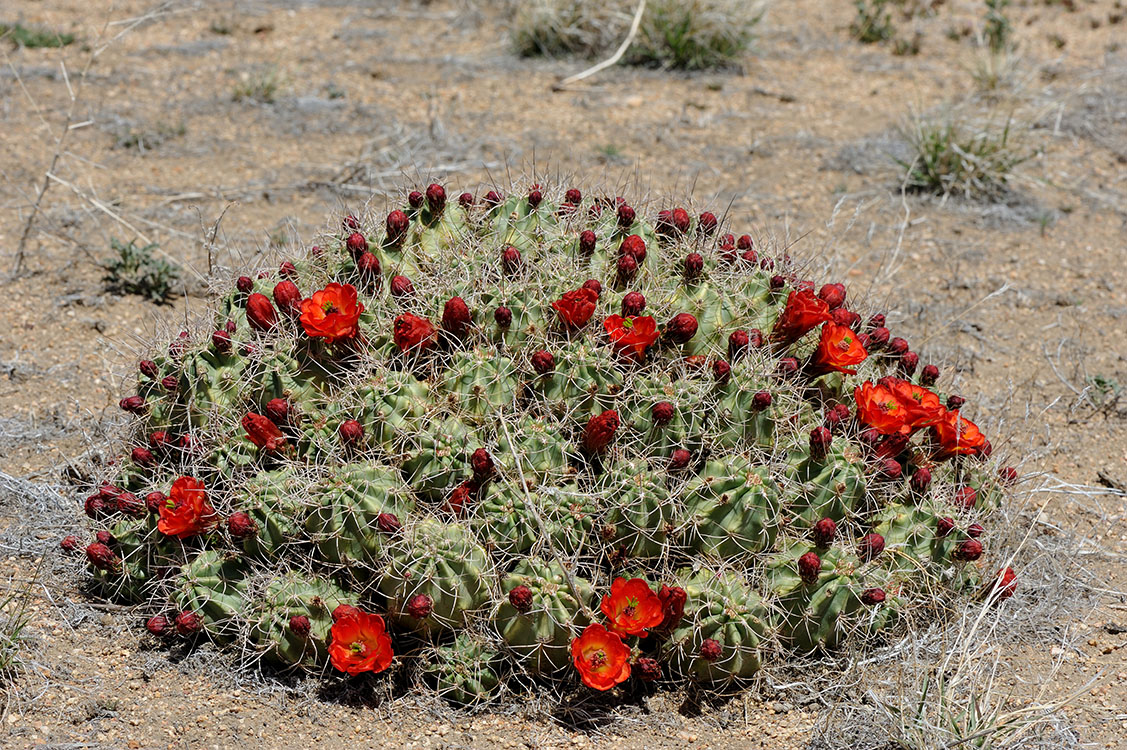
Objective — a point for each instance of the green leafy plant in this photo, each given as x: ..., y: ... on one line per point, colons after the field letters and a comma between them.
x: 260, y: 86
x: 873, y: 22
x: 132, y: 269
x: 998, y: 27
x: 33, y: 37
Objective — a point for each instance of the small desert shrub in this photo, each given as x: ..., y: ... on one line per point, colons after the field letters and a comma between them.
x: 960, y: 153
x: 260, y: 86
x: 25, y: 36
x: 682, y: 34
x: 146, y: 138
x: 873, y: 22
x: 132, y: 269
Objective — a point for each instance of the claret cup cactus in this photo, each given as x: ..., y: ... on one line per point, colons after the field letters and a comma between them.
x: 541, y: 433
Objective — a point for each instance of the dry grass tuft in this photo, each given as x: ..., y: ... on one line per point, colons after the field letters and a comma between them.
x: 679, y: 34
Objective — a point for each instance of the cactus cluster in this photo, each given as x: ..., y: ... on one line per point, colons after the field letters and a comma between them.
x: 541, y: 435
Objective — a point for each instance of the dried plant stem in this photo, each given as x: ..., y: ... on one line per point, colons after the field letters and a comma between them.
x: 559, y: 86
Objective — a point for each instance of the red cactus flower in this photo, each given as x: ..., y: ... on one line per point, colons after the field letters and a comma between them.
x: 576, y: 307
x: 186, y: 512
x: 600, y: 431
x: 879, y: 408
x: 803, y: 312
x: 263, y: 433
x: 632, y: 334
x: 838, y: 351
x: 956, y: 436
x: 1005, y: 583
x: 601, y: 658
x: 413, y: 332
x: 632, y: 607
x: 332, y: 313
x: 360, y: 643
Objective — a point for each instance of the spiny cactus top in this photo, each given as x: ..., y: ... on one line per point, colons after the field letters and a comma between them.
x: 546, y: 434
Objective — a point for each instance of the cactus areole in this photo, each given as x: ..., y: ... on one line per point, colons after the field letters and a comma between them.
x: 573, y: 435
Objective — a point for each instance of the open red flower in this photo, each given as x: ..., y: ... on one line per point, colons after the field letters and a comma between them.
x: 601, y: 657
x: 921, y: 406
x: 413, y: 332
x: 632, y: 333
x: 803, y: 312
x: 360, y: 643
x: 332, y: 313
x: 838, y: 350
x: 576, y: 307
x: 879, y: 408
x: 186, y: 512
x: 632, y: 607
x: 956, y: 436
x: 263, y: 432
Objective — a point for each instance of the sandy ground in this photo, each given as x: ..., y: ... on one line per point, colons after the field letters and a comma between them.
x: 1021, y: 299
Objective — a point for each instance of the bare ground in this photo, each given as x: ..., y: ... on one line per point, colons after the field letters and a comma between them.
x: 1021, y: 299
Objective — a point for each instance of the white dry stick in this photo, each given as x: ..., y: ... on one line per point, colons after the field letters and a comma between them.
x: 560, y: 85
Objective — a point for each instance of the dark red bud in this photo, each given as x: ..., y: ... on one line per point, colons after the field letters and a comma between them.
x: 521, y: 598
x: 966, y: 497
x: 143, y: 457
x: 761, y: 400
x: 503, y: 316
x: 351, y: 432
x: 415, y: 199
x: 820, y: 439
x: 543, y: 362
x: 954, y: 403
x: 738, y: 343
x: 625, y: 216
x: 968, y: 550
x: 482, y: 464
x: 786, y: 367
x: 872, y: 596
x: 466, y: 200
x: 420, y: 606
x: 890, y: 469
x: 647, y: 669
x: 633, y: 303
x: 908, y: 363
x: 833, y: 295
x: 594, y: 286
x: 627, y: 267
x: 710, y: 650
x: 396, y: 226
x: 975, y: 530
x: 824, y: 532
x: 1008, y: 475
x: 101, y: 556
x: 871, y: 545
x: 721, y: 371
x: 491, y: 199
x: 287, y: 270
x: 897, y: 346
x: 221, y: 340
x: 707, y: 223
x: 240, y: 525
x: 534, y: 198
x: 69, y: 543
x: 104, y: 537
x: 921, y: 480
x: 154, y: 500
x: 809, y: 567
x: 436, y: 198
x: 681, y: 328
x: 929, y: 375
x: 287, y: 297
x: 456, y: 317
x: 944, y: 526
x: 368, y: 269
x: 587, y: 240
x: 159, y: 626
x: 149, y: 369
x: 300, y: 626
x: 510, y: 260
x: 188, y: 623
x: 694, y: 266
x: 388, y: 523
x: 356, y: 244
x: 573, y: 197
x: 401, y: 286
x: 876, y: 321
x: 260, y: 313
x: 133, y: 404
x: 680, y: 460
x: 662, y: 413
x: 878, y: 337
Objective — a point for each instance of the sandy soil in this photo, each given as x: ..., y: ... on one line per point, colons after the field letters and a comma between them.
x: 1020, y: 299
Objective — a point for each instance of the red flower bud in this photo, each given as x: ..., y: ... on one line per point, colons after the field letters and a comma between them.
x: 625, y: 216
x: 510, y: 260
x: 600, y: 431
x: 368, y: 269
x: 633, y: 303
x: 738, y: 343
x: 871, y: 545
x: 188, y: 623
x: 908, y: 363
x: 534, y: 197
x: 356, y: 244
x: 149, y: 369
x: 954, y: 403
x: 594, y: 286
x: 460, y: 499
x: 143, y: 457
x: 221, y: 340
x: 878, y: 337
x: 681, y: 220
x: 634, y: 246
x: 413, y: 333
x: 69, y: 543
x: 521, y: 598
x: 847, y: 318
x: 890, y: 469
x: 420, y: 606
x: 101, y: 556
x: 240, y: 525
x: 133, y: 404
x: 694, y: 266
x: 278, y: 410
x: 287, y: 297
x: 833, y: 295
x: 351, y: 433
x: 415, y: 199
x: 966, y: 497
x: 587, y: 240
x: 159, y: 626
x: 872, y: 596
x: 260, y: 313
x: 707, y: 223
x: 456, y: 317
x: 245, y: 284
x: 401, y: 286
x: 170, y: 383
x: 466, y: 200
x: 897, y: 346
x: 573, y: 196
x: 721, y: 371
x: 920, y: 480
x: 647, y: 669
x: 809, y: 567
x: 287, y: 270
x: 342, y: 611
x: 491, y: 199
x: 761, y: 400
x: 944, y: 526
x: 436, y: 198
x: 680, y: 460
x: 820, y: 439
x: 388, y: 523
x: 975, y: 530
x: 396, y: 227
x: 968, y: 550
x: 744, y: 242
x: 710, y: 650
x: 543, y: 362
x: 263, y: 432
x: 786, y: 367
x: 350, y: 223
x: 681, y: 328
x: 482, y: 464
x: 929, y: 375
x: 300, y: 626
x: 104, y: 537
x: 662, y: 413
x: 154, y: 500
x: 673, y: 599
x: 1008, y: 475
x: 824, y: 532
x: 503, y: 316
